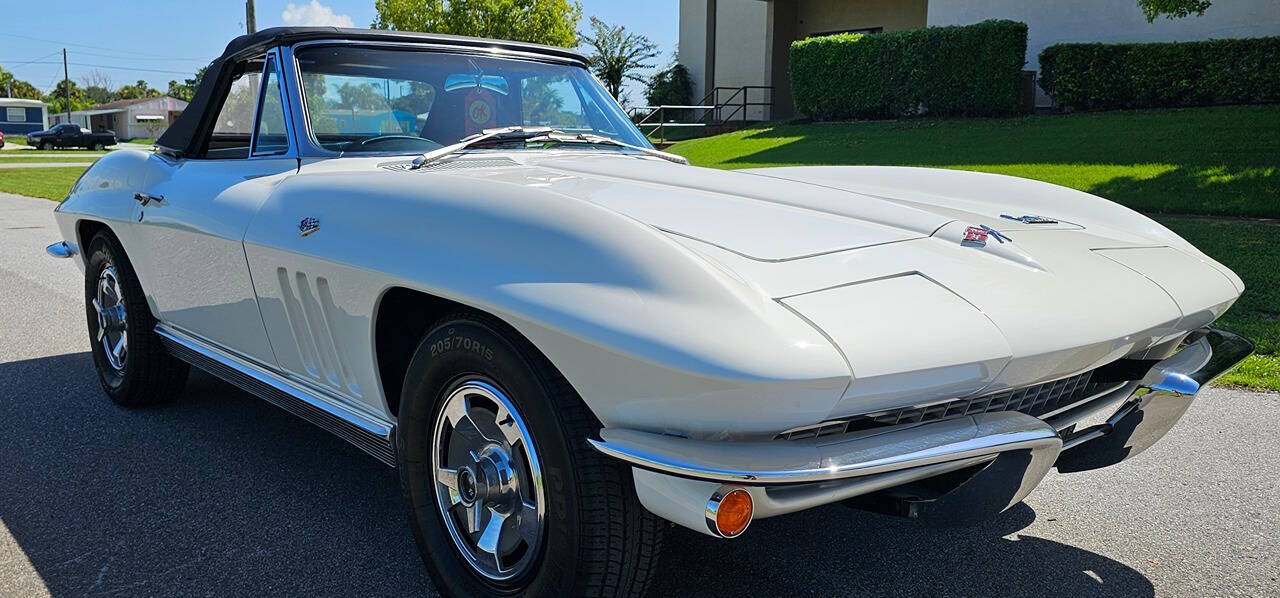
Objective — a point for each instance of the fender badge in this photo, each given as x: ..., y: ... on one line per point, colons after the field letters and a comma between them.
x: 1030, y: 219
x: 976, y: 236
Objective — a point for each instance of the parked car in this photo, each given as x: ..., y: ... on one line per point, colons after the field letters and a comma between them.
x: 1, y: 138
x: 488, y: 279
x: 70, y: 135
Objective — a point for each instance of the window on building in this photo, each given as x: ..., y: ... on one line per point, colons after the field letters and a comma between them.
x: 16, y: 115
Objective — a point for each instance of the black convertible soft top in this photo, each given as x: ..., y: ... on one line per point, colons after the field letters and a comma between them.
x: 182, y: 137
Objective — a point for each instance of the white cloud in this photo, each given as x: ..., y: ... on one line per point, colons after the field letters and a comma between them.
x: 314, y: 14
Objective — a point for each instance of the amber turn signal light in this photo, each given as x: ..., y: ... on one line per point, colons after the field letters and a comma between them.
x: 729, y: 511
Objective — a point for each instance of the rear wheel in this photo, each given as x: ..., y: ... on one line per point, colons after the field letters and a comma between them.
x: 505, y: 495
x: 133, y: 367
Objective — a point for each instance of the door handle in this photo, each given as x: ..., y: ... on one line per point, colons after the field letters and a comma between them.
x: 145, y: 199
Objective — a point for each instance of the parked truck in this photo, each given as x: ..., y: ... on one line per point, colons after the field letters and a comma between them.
x: 70, y: 135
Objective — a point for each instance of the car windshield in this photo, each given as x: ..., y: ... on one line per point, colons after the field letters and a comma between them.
x: 362, y: 99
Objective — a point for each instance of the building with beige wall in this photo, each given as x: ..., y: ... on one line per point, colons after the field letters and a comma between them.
x: 736, y: 43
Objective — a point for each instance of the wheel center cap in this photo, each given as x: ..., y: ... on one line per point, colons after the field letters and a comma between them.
x: 467, y: 485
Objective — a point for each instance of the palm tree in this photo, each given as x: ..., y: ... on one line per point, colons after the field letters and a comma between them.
x: 616, y: 55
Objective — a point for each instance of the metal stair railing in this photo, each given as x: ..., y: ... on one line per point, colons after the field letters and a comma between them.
x: 713, y: 109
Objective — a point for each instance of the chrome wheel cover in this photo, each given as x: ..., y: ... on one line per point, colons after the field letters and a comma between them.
x: 108, y: 303
x: 488, y: 481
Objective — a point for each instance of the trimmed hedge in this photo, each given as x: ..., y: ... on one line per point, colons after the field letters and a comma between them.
x: 966, y: 70
x: 1109, y: 76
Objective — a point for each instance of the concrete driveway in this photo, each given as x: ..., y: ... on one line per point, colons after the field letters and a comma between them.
x: 221, y: 494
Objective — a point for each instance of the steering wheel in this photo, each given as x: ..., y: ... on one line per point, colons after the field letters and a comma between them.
x: 385, y: 138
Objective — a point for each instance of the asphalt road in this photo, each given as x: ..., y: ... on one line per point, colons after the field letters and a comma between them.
x: 221, y: 494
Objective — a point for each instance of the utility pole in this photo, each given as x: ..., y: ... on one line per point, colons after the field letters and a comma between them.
x: 250, y: 20
x: 66, y: 83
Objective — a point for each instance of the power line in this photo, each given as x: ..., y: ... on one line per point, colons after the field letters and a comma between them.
x: 32, y: 61
x: 117, y: 50
x: 118, y: 68
x: 85, y: 53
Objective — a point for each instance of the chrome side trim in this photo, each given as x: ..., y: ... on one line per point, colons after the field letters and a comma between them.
x: 825, y: 459
x: 60, y: 250
x: 370, y: 435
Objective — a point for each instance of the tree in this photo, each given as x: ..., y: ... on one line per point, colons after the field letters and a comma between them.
x: 187, y: 89
x: 137, y: 91
x: 11, y: 86
x: 616, y: 55
x: 551, y: 22
x: 98, y: 86
x: 99, y: 95
x: 153, y: 126
x: 672, y: 85
x: 97, y: 78
x: 1174, y: 9
x: 360, y: 96
x: 57, y: 99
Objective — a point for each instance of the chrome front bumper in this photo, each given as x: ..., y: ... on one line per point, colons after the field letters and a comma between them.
x: 1009, y: 452
x: 1163, y: 395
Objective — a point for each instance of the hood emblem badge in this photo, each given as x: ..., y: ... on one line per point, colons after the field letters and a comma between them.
x: 976, y: 236
x: 1027, y: 219
x: 308, y: 225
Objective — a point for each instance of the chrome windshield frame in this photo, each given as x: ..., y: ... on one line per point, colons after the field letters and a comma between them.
x: 304, y: 138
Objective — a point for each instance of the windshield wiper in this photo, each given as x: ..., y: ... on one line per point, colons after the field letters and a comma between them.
x: 562, y: 137
x: 503, y: 134
x: 535, y: 134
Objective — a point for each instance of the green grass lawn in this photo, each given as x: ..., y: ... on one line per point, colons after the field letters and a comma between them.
x: 1209, y: 161
x: 1200, y: 161
x: 1252, y: 250
x: 49, y: 183
x: 24, y: 159
x: 143, y: 141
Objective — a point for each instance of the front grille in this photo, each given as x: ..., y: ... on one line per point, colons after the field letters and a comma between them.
x: 1035, y: 400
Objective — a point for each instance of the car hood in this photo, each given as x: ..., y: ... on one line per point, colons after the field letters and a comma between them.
x: 760, y: 217
x: 919, y: 313
x: 780, y: 214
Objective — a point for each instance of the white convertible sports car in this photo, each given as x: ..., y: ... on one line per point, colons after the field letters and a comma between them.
x: 462, y: 257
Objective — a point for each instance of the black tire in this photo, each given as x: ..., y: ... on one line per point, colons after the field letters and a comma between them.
x: 598, y: 539
x: 149, y: 374
x: 44, y: 146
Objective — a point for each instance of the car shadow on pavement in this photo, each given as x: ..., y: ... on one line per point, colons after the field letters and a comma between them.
x: 218, y: 493
x: 841, y: 551
x: 221, y: 493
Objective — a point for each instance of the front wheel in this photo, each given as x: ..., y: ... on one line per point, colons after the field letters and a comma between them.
x: 44, y: 145
x: 133, y: 367
x: 505, y: 495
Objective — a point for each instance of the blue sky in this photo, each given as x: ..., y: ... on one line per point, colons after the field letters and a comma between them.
x: 159, y: 40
